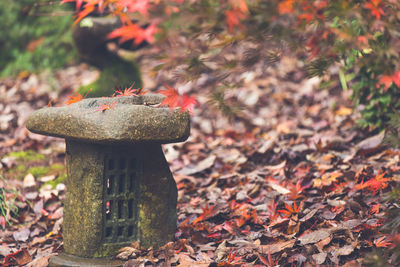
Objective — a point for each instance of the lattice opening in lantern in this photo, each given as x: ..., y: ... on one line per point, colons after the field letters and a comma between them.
x: 121, y: 181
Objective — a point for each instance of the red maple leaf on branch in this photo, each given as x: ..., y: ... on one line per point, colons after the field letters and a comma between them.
x: 174, y: 99
x: 136, y: 33
x: 141, y: 6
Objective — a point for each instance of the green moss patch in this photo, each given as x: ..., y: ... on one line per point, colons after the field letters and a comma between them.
x: 119, y: 73
x: 26, y: 156
x: 31, y: 162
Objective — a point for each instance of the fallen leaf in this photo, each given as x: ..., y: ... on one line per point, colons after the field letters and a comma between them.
x: 371, y: 142
x: 185, y: 261
x: 343, y: 251
x: 276, y: 247
x: 319, y: 258
x: 40, y: 262
x: 22, y: 235
x: 21, y: 257
x: 201, y: 166
x: 314, y: 237
x: 278, y: 188
x: 29, y: 180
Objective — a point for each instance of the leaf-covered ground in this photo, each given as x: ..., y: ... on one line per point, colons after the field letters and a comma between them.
x: 289, y: 181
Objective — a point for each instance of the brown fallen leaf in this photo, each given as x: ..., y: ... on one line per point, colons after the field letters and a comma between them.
x: 185, y: 261
x: 201, y: 166
x: 314, y: 237
x: 40, y: 262
x: 276, y: 247
x: 22, y: 235
x: 343, y: 251
x: 319, y: 258
x: 21, y: 257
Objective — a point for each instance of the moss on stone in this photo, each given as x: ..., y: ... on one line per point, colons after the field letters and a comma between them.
x: 118, y: 73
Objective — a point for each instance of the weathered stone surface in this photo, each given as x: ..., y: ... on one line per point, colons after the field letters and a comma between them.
x: 84, y: 218
x: 83, y: 205
x: 132, y: 119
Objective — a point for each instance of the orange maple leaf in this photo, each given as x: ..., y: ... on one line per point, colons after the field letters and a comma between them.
x: 383, y: 242
x: 86, y: 11
x: 285, y: 7
x: 375, y: 184
x: 290, y: 210
x: 74, y: 98
x: 208, y: 212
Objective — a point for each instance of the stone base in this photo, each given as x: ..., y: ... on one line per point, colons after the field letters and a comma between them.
x: 70, y: 260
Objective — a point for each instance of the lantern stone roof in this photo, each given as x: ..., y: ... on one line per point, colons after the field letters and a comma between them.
x: 132, y: 119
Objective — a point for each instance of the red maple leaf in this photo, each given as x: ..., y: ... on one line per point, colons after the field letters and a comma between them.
x: 188, y: 103
x: 396, y: 78
x: 125, y: 33
x: 129, y: 91
x: 385, y: 80
x: 172, y: 97
x: 105, y: 107
x: 136, y: 33
x: 141, y: 6
x: 233, y: 18
x: 147, y: 34
x: 375, y: 9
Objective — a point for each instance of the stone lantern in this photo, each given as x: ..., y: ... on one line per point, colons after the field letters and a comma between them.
x: 119, y: 186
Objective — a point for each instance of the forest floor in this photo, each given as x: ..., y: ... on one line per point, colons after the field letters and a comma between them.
x: 291, y: 181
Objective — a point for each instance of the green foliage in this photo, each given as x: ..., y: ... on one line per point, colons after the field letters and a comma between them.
x: 27, y: 155
x: 8, y: 206
x: 34, y: 35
